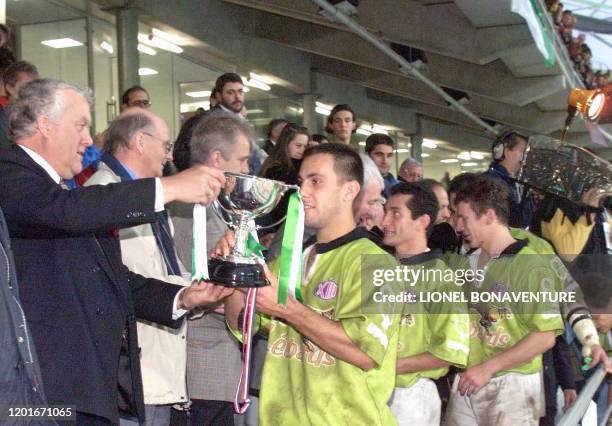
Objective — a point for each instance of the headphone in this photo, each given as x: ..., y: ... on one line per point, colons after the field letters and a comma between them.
x: 500, y: 143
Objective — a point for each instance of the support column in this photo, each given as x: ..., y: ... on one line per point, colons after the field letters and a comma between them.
x: 310, y: 117
x: 127, y: 48
x: 416, y: 140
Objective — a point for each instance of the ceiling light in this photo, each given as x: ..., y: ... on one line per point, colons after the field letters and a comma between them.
x: 324, y: 106
x: 159, y: 42
x: 107, y: 46
x: 168, y: 37
x: 468, y: 164
x: 428, y: 143
x: 259, y: 77
x: 322, y: 111
x: 464, y: 156
x: 60, y: 43
x: 425, y: 155
x: 146, y: 49
x: 362, y: 143
x: 254, y: 111
x: 360, y: 130
x: 402, y: 150
x: 147, y: 71
x: 449, y: 160
x: 246, y: 89
x: 379, y: 129
x: 477, y: 155
x: 199, y: 94
x: 192, y: 106
x: 257, y: 84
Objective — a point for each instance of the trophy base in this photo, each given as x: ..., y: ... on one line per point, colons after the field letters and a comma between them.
x: 232, y: 274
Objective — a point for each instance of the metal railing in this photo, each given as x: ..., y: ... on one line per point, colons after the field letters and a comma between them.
x: 576, y: 412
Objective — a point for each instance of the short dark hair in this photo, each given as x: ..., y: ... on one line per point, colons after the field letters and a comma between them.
x: 377, y: 139
x: 347, y: 164
x: 228, y: 77
x: 317, y: 137
x: 273, y: 123
x: 486, y: 193
x: 597, y: 290
x: 12, y: 72
x: 125, y: 98
x: 461, y: 181
x: 432, y: 183
x: 6, y: 59
x: 336, y: 110
x: 423, y: 201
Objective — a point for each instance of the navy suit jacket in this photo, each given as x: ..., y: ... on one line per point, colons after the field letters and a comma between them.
x: 81, y: 302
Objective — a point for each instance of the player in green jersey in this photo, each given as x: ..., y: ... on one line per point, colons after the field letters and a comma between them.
x: 502, y: 384
x: 329, y: 361
x: 432, y: 336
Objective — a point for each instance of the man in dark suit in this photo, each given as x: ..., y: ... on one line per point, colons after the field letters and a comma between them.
x: 19, y: 369
x: 81, y: 302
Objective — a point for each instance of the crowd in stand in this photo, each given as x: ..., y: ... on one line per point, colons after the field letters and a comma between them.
x: 102, y: 315
x: 579, y: 52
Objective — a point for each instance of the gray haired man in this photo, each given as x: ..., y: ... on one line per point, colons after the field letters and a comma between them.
x: 221, y: 141
x: 80, y: 300
x: 410, y: 170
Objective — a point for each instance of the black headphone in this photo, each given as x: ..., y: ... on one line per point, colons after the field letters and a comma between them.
x: 497, y: 150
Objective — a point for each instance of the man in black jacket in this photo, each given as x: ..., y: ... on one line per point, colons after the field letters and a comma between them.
x: 19, y: 370
x: 81, y: 302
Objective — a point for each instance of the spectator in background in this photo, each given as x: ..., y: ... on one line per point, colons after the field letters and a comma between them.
x: 230, y: 94
x: 341, y: 123
x: 284, y: 163
x: 410, y: 171
x: 275, y: 127
x: 318, y: 138
x: 6, y: 59
x: 442, y: 197
x: 213, y: 100
x: 135, y: 96
x: 379, y: 148
x: 508, y: 150
x: 368, y: 207
x: 18, y: 74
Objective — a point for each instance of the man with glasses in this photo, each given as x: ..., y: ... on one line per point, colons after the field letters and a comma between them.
x: 135, y: 96
x: 136, y: 146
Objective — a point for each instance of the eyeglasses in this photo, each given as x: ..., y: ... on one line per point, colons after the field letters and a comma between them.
x: 143, y: 103
x: 167, y: 144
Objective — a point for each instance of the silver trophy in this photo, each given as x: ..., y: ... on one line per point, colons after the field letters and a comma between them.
x: 241, y: 200
x: 564, y: 170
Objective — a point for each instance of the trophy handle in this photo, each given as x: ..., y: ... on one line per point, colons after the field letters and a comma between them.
x: 218, y: 209
x: 278, y: 222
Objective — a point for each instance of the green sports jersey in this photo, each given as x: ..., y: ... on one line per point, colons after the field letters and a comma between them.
x: 497, y: 326
x: 438, y: 328
x: 302, y: 384
x: 537, y: 244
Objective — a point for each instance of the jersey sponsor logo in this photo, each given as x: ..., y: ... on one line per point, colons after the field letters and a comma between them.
x: 498, y: 338
x: 326, y: 290
x: 301, y: 349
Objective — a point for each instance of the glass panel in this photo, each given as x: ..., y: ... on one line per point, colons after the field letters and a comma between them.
x: 63, y: 55
x: 105, y: 75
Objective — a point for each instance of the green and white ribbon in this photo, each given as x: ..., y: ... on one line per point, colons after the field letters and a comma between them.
x: 290, y: 276
x: 199, y: 251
